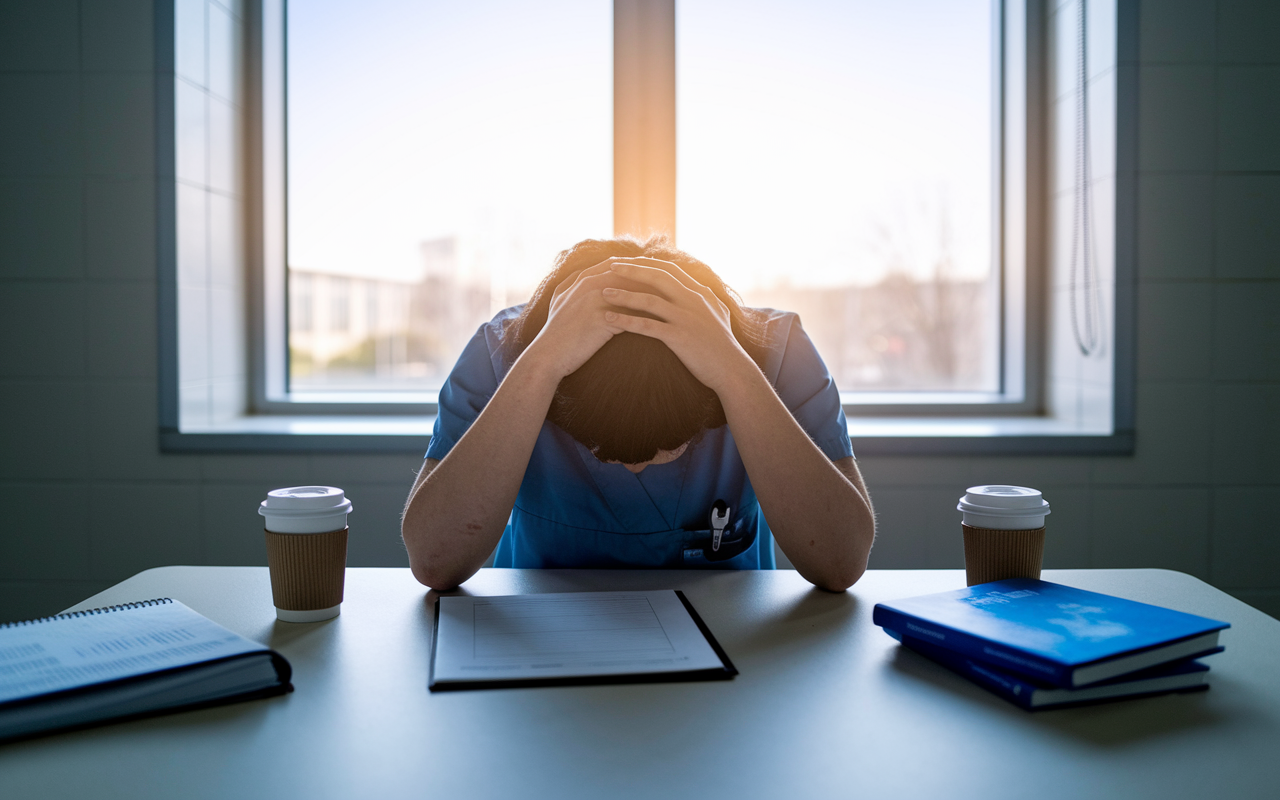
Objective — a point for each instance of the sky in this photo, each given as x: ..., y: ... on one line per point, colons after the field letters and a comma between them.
x: 818, y: 143
x: 410, y: 121
x: 821, y: 144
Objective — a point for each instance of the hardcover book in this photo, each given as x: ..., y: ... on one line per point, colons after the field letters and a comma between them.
x: 1179, y: 676
x: 1055, y: 634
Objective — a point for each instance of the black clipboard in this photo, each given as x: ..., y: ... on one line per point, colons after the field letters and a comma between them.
x: 726, y: 672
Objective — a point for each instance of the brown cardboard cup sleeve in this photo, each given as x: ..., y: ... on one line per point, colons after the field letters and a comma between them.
x: 994, y: 555
x: 307, y: 569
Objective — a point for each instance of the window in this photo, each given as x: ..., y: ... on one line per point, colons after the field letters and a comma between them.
x: 898, y: 173
x: 834, y: 159
x: 439, y: 154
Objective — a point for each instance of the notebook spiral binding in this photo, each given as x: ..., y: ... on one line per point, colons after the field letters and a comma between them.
x: 159, y: 601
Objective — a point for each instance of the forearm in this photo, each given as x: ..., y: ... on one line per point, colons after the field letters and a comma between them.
x: 455, y: 515
x: 821, y: 517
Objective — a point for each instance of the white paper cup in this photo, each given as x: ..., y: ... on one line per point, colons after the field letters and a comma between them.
x: 1003, y: 533
x: 306, y: 533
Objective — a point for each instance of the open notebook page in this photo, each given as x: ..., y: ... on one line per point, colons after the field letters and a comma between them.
x: 567, y: 635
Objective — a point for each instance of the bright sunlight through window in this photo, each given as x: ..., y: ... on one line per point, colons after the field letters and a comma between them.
x: 439, y: 156
x: 834, y: 159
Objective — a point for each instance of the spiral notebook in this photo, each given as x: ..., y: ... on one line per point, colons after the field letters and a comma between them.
x: 121, y: 662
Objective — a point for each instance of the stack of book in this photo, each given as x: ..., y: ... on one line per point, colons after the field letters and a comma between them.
x: 1043, y: 645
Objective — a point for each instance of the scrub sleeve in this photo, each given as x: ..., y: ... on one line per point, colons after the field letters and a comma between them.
x: 572, y: 510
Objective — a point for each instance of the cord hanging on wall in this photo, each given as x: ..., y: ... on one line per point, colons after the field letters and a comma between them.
x: 1085, y: 291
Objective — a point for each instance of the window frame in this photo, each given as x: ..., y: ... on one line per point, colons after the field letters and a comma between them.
x: 1011, y: 420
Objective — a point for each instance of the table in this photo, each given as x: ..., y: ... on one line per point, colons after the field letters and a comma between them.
x: 826, y: 705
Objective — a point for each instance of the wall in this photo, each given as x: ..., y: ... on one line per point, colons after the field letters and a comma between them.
x: 1084, y: 281
x: 89, y: 500
x: 208, y: 178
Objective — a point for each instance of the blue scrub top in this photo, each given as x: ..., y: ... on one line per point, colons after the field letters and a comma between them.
x: 574, y: 510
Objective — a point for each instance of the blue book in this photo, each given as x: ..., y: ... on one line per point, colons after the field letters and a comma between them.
x: 1056, y: 634
x: 1180, y: 676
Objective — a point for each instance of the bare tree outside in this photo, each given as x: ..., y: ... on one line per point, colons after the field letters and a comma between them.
x: 921, y: 327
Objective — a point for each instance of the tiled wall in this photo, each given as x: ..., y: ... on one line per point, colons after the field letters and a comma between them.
x: 88, y: 499
x: 77, y: 296
x: 209, y: 116
x: 1080, y: 384
x: 1197, y: 494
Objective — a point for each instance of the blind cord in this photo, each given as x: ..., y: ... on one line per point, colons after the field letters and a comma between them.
x: 1084, y: 266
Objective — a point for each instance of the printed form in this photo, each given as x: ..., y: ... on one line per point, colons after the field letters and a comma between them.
x: 567, y: 635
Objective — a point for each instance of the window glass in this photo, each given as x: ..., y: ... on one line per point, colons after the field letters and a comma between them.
x: 836, y: 159
x: 439, y: 155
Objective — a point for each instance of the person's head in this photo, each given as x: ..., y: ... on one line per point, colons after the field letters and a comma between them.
x: 634, y: 397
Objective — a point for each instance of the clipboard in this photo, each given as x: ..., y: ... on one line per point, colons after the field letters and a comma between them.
x: 572, y: 639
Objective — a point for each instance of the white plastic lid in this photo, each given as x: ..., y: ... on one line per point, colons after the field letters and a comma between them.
x: 1003, y: 501
x: 304, y: 501
x: 305, y: 509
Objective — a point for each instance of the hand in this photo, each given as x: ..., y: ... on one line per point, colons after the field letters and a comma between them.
x: 688, y: 318
x: 576, y: 326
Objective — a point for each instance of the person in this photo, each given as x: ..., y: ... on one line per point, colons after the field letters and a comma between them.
x: 633, y: 413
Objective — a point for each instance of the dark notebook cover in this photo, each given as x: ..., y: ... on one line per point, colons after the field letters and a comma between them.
x: 126, y: 661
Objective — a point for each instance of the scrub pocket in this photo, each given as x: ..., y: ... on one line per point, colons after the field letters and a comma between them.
x: 737, y: 539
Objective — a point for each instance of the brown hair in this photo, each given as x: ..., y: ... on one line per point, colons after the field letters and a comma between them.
x: 634, y: 397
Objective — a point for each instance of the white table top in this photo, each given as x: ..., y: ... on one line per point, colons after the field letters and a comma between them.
x: 826, y: 705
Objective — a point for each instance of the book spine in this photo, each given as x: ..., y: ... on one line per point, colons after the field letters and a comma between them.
x: 974, y: 647
x: 87, y: 613
x: 1010, y: 688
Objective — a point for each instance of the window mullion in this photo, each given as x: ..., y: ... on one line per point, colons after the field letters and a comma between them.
x: 644, y: 117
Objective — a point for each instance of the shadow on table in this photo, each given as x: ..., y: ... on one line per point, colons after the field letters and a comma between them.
x: 1111, y: 724
x: 277, y: 634
x: 790, y: 624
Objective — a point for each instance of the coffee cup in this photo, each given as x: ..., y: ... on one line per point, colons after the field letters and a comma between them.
x: 306, y: 529
x: 1003, y: 532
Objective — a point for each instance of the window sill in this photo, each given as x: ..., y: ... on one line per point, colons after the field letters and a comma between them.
x: 1021, y: 435
x: 871, y: 436
x: 281, y: 433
